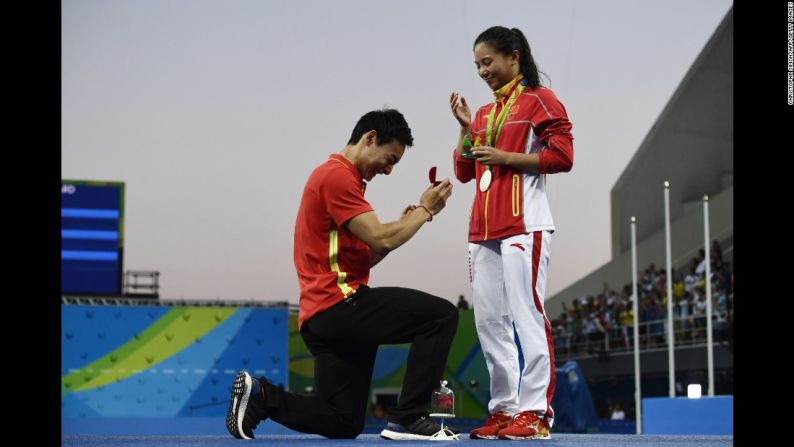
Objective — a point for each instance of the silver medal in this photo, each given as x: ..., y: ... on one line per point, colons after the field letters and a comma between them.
x: 485, y: 180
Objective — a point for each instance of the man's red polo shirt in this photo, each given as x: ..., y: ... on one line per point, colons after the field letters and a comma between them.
x: 330, y: 260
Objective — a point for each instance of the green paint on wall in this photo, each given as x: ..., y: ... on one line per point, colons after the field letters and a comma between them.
x: 171, y: 333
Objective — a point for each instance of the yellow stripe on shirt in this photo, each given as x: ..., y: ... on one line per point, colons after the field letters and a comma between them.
x: 333, y: 250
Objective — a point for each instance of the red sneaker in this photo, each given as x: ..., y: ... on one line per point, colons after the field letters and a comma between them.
x: 490, y: 429
x: 526, y: 425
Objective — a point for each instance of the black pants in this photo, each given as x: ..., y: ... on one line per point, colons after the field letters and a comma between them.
x: 344, y: 340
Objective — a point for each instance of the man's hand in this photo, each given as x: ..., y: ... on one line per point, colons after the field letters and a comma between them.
x: 435, y: 197
x: 383, y: 238
x: 407, y: 211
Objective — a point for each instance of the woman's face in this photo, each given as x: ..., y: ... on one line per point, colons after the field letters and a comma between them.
x: 495, y: 68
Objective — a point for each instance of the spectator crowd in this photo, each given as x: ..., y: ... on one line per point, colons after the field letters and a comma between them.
x: 604, y: 321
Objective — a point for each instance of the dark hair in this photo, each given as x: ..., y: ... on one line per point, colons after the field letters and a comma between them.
x: 505, y: 41
x: 389, y: 124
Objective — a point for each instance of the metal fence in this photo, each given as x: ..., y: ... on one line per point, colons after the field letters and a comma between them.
x: 653, y: 335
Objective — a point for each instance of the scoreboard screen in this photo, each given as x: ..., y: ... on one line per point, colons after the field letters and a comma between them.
x: 92, y: 237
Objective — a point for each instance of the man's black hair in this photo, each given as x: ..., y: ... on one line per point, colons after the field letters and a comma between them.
x: 389, y: 124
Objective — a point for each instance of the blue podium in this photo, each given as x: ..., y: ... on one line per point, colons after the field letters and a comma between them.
x: 685, y: 416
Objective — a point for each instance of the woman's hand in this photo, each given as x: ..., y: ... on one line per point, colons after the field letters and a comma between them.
x: 460, y: 110
x: 490, y: 156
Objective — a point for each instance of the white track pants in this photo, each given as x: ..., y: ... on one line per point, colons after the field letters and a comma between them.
x: 509, y: 283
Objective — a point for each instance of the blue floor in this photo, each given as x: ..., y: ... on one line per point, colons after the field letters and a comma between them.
x: 567, y: 440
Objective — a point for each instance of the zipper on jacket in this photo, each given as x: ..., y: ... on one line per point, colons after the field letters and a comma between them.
x: 487, y: 194
x: 516, y: 196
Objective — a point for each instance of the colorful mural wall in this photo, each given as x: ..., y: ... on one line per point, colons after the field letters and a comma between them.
x: 126, y: 361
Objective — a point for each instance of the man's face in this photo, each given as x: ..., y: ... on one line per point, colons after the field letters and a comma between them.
x: 380, y: 159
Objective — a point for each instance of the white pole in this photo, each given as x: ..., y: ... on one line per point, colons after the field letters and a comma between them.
x: 636, y: 330
x: 707, y: 279
x: 668, y: 269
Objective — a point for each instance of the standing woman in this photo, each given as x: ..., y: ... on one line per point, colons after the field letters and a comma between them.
x: 508, y: 148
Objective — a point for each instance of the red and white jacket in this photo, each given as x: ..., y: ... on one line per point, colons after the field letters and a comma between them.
x: 516, y: 201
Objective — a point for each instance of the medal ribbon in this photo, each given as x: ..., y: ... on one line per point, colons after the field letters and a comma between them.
x: 490, y: 127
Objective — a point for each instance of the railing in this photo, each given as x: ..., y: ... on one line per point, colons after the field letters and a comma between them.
x: 688, y: 331
x: 128, y: 301
x: 142, y: 284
